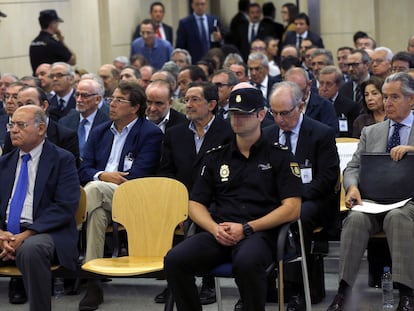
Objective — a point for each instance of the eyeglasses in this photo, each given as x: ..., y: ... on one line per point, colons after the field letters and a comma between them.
x: 258, y: 48
x: 219, y: 84
x: 58, y: 75
x: 20, y: 125
x: 85, y: 95
x: 353, y: 64
x: 282, y: 114
x: 117, y: 100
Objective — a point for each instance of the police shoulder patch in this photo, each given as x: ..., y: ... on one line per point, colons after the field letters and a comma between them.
x: 280, y: 146
x: 215, y: 149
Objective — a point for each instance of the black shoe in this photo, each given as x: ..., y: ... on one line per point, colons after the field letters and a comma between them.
x: 406, y: 303
x: 17, y: 293
x: 296, y: 303
x: 92, y: 299
x: 238, y: 306
x: 162, y: 297
x: 207, y: 294
x: 338, y: 303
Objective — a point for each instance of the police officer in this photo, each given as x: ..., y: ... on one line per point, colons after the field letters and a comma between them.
x: 48, y: 47
x: 245, y: 190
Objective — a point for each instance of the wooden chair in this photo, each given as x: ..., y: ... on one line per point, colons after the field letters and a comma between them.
x: 150, y: 209
x: 80, y: 218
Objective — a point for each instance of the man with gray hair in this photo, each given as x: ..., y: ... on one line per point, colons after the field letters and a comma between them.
x: 396, y: 137
x: 319, y: 59
x: 181, y: 57
x: 381, y: 62
x: 63, y: 101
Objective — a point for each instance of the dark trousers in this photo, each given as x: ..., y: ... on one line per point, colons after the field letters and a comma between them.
x: 200, y: 253
x: 34, y: 258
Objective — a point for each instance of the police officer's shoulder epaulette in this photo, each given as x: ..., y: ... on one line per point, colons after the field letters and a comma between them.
x: 215, y: 149
x: 280, y: 146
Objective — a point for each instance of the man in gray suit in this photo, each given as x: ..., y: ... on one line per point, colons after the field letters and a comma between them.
x: 398, y: 224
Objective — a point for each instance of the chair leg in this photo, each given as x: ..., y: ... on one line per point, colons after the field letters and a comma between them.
x: 304, y: 269
x: 218, y: 294
x: 281, y: 289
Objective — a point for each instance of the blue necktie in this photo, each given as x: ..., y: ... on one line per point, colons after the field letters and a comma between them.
x: 203, y: 34
x: 82, y: 135
x: 17, y: 201
x: 395, y: 137
x: 61, y: 104
x: 288, y: 142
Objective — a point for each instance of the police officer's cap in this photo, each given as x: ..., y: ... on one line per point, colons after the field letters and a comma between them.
x: 246, y: 100
x: 48, y: 16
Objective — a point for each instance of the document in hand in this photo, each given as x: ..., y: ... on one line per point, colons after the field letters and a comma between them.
x: 375, y: 208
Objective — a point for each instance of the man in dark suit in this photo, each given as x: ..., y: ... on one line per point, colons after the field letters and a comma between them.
x: 183, y: 150
x: 314, y: 147
x: 330, y: 81
x: 225, y: 80
x: 163, y: 31
x: 127, y: 147
x: 37, y: 210
x: 64, y: 100
x: 59, y: 135
x: 87, y: 115
x: 198, y: 32
x: 268, y: 27
x: 159, y: 103
x: 316, y: 107
x: 237, y: 22
x: 302, y: 32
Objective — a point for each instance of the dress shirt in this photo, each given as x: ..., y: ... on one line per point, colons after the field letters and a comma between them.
x: 293, y: 136
x: 263, y: 86
x: 163, y: 122
x: 32, y: 165
x: 88, y: 125
x: 66, y: 98
x: 157, y: 55
x: 199, y: 140
x: 404, y: 131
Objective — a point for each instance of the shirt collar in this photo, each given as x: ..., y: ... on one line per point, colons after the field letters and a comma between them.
x: 126, y: 129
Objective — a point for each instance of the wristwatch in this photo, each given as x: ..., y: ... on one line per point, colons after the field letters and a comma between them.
x: 247, y: 230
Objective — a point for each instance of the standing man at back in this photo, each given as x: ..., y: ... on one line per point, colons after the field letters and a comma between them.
x: 48, y: 47
x: 198, y: 32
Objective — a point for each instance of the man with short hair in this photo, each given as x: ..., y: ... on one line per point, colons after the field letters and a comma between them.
x: 365, y: 42
x: 398, y: 224
x: 5, y: 80
x: 163, y: 31
x: 241, y: 71
x: 130, y: 73
x: 146, y: 73
x: 230, y: 175
x: 48, y: 47
x: 319, y: 59
x: 39, y: 197
x: 126, y: 147
x: 381, y: 62
x: 62, y: 76
x: 181, y: 57
x: 341, y: 57
x: 302, y: 32
x: 86, y: 116
x: 110, y: 77
x: 330, y: 81
x: 154, y: 49
x: 402, y: 61
x: 187, y: 74
x: 159, y: 106
x: 225, y: 80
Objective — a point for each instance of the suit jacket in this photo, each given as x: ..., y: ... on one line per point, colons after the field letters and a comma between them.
x: 241, y: 39
x: 315, y: 38
x: 4, y: 119
x: 374, y: 138
x: 348, y: 108
x: 179, y: 158
x: 316, y: 143
x: 233, y: 36
x: 55, y: 113
x: 269, y: 28
x: 167, y: 29
x: 322, y: 110
x: 55, y: 198
x: 188, y: 36
x: 175, y: 119
x: 72, y: 119
x: 142, y: 147
x: 59, y: 135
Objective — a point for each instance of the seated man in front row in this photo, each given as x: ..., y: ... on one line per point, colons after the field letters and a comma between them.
x: 395, y: 135
x: 38, y: 200
x: 250, y: 187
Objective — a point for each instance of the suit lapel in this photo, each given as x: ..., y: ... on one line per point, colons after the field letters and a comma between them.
x: 45, y: 166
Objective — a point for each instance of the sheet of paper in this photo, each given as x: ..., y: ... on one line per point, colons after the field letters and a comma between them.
x: 375, y: 208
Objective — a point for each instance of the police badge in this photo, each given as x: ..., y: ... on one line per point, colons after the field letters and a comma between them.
x: 224, y: 172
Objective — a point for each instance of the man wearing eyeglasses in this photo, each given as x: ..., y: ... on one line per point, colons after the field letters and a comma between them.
x: 86, y: 116
x: 314, y: 147
x: 381, y: 62
x: 225, y: 80
x: 64, y: 100
x: 358, y: 70
x: 126, y: 147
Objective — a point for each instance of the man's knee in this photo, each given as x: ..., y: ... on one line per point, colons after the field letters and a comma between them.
x: 356, y: 220
x: 33, y: 250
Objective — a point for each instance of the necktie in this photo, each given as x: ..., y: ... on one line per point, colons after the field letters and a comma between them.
x: 17, y: 201
x: 82, y: 135
x: 287, y: 138
x: 203, y: 34
x: 299, y: 41
x: 395, y: 137
x: 253, y: 33
x: 221, y: 112
x: 159, y: 32
x: 61, y: 104
x: 358, y: 95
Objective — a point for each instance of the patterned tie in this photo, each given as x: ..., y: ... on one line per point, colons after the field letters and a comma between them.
x: 203, y: 34
x: 358, y: 95
x: 395, y: 137
x: 82, y: 135
x: 61, y: 104
x: 287, y: 139
x: 17, y: 201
